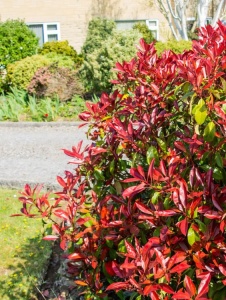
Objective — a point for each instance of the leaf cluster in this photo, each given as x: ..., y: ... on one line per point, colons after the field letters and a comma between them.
x: 144, y: 213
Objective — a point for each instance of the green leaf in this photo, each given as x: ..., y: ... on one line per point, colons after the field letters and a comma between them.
x: 217, y: 174
x: 219, y: 160
x: 223, y: 81
x: 112, y: 166
x: 122, y: 247
x: 200, y: 112
x: 98, y: 174
x: 156, y: 232
x: 209, y: 132
x: 152, y: 153
x: 162, y: 144
x: 202, y: 226
x: 192, y: 236
x: 155, y: 197
x: 109, y: 243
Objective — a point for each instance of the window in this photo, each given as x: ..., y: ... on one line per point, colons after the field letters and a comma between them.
x: 46, y: 32
x: 152, y: 24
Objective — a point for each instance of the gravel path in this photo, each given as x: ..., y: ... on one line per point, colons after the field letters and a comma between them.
x: 31, y: 152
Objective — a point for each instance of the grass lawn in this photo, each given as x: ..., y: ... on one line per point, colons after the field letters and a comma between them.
x: 23, y: 253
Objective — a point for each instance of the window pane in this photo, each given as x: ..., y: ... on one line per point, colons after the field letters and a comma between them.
x: 52, y: 37
x: 38, y: 30
x: 152, y: 23
x: 154, y: 34
x: 52, y: 27
x: 127, y: 24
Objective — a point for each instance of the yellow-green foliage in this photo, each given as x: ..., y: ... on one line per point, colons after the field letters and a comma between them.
x: 97, y: 69
x: 145, y: 31
x: 175, y: 46
x: 20, y: 73
x: 62, y: 48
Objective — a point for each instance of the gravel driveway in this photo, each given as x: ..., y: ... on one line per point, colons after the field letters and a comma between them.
x: 31, y: 152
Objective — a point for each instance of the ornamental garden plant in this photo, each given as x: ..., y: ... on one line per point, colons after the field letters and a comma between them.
x: 143, y: 215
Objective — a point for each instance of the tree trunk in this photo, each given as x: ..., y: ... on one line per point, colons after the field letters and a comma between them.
x: 202, y: 10
x: 218, y: 11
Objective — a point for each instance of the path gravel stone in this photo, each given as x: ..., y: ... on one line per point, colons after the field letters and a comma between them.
x: 32, y: 152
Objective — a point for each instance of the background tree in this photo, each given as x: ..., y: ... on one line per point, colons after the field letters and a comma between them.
x: 176, y: 13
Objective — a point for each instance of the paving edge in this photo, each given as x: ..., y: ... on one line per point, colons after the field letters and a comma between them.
x: 19, y: 185
x: 40, y: 124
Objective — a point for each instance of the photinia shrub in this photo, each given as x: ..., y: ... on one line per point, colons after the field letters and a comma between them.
x: 143, y: 214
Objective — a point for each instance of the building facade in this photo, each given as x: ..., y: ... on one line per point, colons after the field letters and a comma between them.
x: 68, y: 19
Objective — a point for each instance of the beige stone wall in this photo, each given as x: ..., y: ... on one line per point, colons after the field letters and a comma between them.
x: 74, y: 15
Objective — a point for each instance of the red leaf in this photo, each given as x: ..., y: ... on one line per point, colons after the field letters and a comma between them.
x: 97, y: 150
x: 143, y: 208
x: 222, y: 269
x: 180, y: 146
x: 133, y: 190
x: 85, y: 116
x: 130, y: 250
x: 76, y: 256
x: 118, y: 286
x: 50, y: 237
x: 183, y: 226
x: 166, y: 213
x: 150, y: 288
x: 182, y: 296
x: 109, y: 269
x: 166, y: 288
x: 183, y: 194
x: 130, y: 266
x: 80, y: 282
x: 204, y: 285
x: 134, y: 283
x: 155, y: 88
x: 61, y: 181
x: 189, y: 285
x: 61, y: 214
x: 176, y: 258
x: 151, y: 168
x: 180, y: 268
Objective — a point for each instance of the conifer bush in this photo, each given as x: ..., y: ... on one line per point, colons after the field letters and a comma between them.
x: 143, y: 215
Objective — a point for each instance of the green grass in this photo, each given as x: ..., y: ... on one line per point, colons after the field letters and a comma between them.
x: 17, y: 106
x: 23, y: 252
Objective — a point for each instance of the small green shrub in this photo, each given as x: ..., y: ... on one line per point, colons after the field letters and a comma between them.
x: 21, y: 72
x: 98, y: 31
x: 96, y: 71
x: 175, y: 46
x: 145, y: 31
x: 55, y: 81
x: 17, y: 41
x: 62, y: 48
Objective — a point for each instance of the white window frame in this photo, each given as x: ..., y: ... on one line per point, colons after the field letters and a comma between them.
x: 46, y: 31
x: 153, y: 27
x: 145, y: 21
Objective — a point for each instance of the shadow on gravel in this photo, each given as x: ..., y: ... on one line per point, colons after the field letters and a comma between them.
x: 26, y: 275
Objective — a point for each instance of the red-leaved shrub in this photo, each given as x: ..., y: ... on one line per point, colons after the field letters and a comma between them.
x: 144, y: 213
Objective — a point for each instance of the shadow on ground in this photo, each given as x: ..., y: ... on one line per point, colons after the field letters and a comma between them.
x: 26, y: 275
